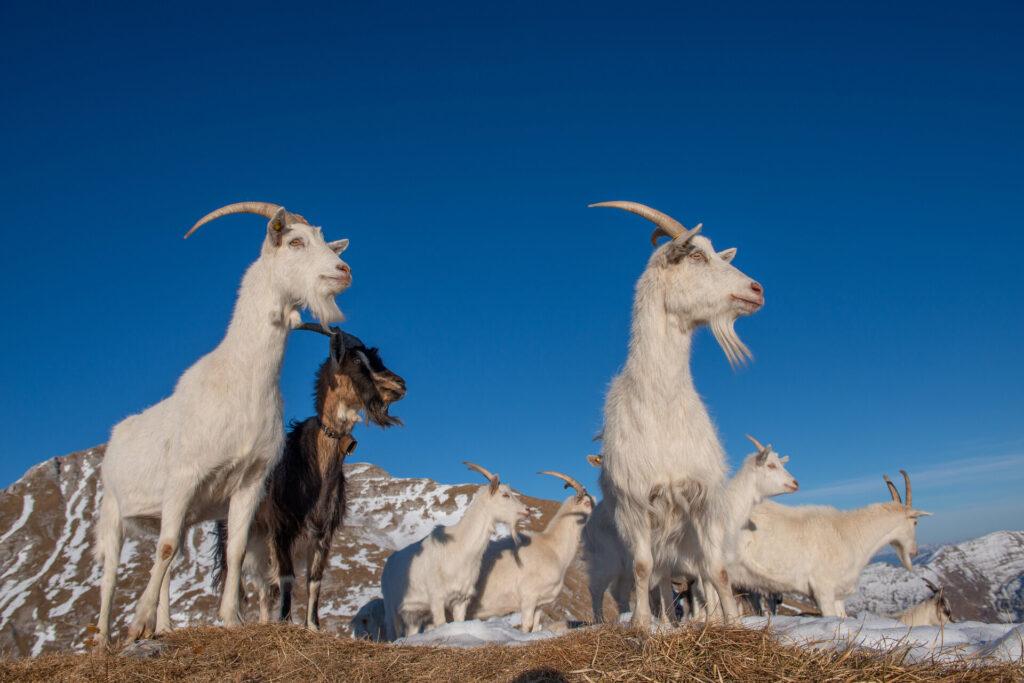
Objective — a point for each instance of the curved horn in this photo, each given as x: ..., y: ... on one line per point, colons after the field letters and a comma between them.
x: 892, y: 489
x: 667, y: 226
x: 906, y: 482
x: 265, y: 209
x: 932, y: 586
x: 493, y: 478
x: 757, y: 444
x: 581, y: 490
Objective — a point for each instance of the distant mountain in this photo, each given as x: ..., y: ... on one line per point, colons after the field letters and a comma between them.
x: 49, y: 591
x: 49, y: 584
x: 984, y: 579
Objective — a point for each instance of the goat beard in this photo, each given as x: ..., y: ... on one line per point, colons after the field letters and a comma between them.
x: 377, y: 412
x: 735, y: 350
x: 325, y: 309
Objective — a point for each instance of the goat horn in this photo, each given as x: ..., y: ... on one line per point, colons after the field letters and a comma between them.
x: 906, y: 482
x: 581, y: 490
x: 932, y: 586
x: 265, y: 209
x: 317, y: 327
x: 667, y: 226
x: 892, y: 489
x: 493, y: 478
x: 757, y: 444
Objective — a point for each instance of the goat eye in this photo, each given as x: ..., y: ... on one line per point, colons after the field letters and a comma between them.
x: 773, y: 466
x: 698, y: 256
x: 295, y: 243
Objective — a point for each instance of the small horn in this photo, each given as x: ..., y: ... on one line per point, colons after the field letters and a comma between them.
x: 317, y: 327
x: 493, y: 478
x: 906, y: 482
x: 581, y: 490
x: 892, y: 489
x: 932, y: 586
x: 265, y: 209
x: 667, y: 226
x: 757, y: 444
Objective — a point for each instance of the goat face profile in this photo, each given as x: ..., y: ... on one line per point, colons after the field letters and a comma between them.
x: 905, y: 536
x: 772, y: 478
x: 355, y: 371
x: 696, y: 284
x: 303, y: 265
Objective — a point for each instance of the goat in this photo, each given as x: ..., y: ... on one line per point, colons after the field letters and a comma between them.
x: 933, y: 611
x: 762, y: 475
x: 368, y: 622
x: 528, y: 576
x: 658, y: 436
x: 440, y: 571
x: 820, y: 551
x: 203, y: 452
x: 306, y: 490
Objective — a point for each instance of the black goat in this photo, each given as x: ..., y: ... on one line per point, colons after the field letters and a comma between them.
x: 306, y: 490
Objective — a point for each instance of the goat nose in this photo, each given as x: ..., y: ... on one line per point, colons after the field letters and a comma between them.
x: 343, y: 267
x: 756, y: 286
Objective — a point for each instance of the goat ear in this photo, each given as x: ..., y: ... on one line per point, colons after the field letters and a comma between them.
x: 594, y: 460
x: 493, y: 488
x: 784, y: 459
x: 728, y: 254
x: 677, y: 251
x: 277, y: 226
x: 338, y: 246
x: 762, y: 457
x: 919, y: 513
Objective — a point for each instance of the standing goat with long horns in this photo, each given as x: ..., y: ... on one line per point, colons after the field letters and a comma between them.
x: 660, y: 445
x: 529, y: 575
x: 204, y: 452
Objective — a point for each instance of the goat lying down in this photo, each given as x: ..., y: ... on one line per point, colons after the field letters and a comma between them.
x: 820, y: 551
x: 439, y: 572
x: 305, y: 500
x: 763, y: 474
x: 932, y: 611
x: 526, y: 576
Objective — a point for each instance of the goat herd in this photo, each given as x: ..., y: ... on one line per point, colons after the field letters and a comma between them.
x: 216, y: 449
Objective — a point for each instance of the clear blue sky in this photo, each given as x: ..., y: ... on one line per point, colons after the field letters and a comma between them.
x: 865, y: 159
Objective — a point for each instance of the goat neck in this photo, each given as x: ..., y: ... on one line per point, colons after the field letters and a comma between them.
x: 258, y: 330
x: 872, y: 528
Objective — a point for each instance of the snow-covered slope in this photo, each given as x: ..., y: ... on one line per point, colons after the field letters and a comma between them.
x: 983, y: 577
x: 49, y: 591
x: 49, y: 584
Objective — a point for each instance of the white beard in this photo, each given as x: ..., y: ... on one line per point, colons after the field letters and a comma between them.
x: 735, y: 350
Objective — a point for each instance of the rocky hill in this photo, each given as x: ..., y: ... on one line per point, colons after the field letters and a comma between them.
x: 49, y: 591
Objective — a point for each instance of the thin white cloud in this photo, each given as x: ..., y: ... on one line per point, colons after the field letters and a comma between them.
x: 960, y: 471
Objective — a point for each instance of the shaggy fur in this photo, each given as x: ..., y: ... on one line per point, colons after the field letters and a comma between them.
x: 658, y: 437
x: 306, y: 490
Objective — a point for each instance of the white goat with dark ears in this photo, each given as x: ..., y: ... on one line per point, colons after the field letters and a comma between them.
x: 203, y: 453
x: 657, y: 435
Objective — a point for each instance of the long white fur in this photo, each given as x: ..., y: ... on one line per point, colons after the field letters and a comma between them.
x: 657, y: 432
x: 440, y: 571
x: 933, y: 611
x: 531, y: 576
x: 203, y: 452
x: 607, y: 557
x: 820, y: 551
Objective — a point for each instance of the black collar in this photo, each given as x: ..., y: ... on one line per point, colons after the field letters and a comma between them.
x: 332, y: 433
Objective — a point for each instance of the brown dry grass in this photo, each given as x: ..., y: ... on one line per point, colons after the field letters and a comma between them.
x: 288, y: 653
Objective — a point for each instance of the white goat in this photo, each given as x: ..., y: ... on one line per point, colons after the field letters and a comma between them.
x: 658, y: 436
x: 203, y: 453
x: 821, y: 551
x: 531, y: 575
x: 933, y: 611
x: 440, y: 571
x: 762, y: 475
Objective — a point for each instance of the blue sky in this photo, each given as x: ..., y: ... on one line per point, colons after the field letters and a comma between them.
x: 865, y: 160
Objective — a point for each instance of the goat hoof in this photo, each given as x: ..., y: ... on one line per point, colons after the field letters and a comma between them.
x: 139, y: 630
